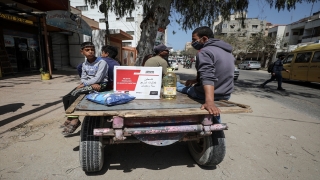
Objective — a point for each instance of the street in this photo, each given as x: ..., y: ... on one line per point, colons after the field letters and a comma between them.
x: 278, y: 140
x: 300, y: 96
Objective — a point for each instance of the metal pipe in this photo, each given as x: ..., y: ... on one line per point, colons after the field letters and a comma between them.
x: 164, y: 129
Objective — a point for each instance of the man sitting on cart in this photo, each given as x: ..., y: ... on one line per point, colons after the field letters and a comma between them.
x: 94, y: 76
x: 215, y: 68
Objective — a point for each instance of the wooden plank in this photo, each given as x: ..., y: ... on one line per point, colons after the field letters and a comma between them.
x: 74, y: 104
x: 181, y: 102
x: 161, y: 112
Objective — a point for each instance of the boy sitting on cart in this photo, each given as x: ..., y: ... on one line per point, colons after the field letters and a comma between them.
x: 94, y: 76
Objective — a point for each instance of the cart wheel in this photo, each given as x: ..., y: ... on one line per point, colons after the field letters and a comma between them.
x: 91, y: 147
x: 210, y: 150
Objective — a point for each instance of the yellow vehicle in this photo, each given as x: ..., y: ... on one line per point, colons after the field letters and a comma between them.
x: 303, y: 64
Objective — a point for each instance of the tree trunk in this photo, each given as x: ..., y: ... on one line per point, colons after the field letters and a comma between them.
x: 107, y: 27
x: 157, y: 17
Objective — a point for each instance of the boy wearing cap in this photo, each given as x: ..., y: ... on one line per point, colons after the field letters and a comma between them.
x: 158, y: 60
x: 276, y: 73
x: 93, y: 77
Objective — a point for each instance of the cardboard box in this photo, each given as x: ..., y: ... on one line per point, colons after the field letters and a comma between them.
x: 138, y: 81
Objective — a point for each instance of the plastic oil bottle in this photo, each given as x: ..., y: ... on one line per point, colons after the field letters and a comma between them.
x: 169, y: 84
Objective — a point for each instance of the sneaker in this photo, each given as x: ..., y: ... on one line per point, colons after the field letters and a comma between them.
x: 280, y: 89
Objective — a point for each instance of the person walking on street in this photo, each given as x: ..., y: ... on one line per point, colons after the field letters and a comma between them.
x: 276, y: 73
x: 215, y: 68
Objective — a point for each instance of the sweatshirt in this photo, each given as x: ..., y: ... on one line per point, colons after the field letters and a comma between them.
x: 215, y: 66
x: 95, y: 72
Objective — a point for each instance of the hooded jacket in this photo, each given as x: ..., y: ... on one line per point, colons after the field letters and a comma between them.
x: 215, y: 66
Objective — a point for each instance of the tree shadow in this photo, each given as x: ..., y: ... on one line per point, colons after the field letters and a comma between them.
x: 18, y: 116
x: 10, y: 108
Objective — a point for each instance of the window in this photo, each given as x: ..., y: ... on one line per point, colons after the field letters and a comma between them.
x: 316, y: 31
x: 224, y: 25
x: 130, y: 32
x: 82, y: 8
x: 288, y: 59
x: 301, y: 32
x: 253, y: 35
x: 117, y: 19
x: 303, y: 57
x: 102, y: 20
x: 316, y: 57
x: 287, y: 34
x: 254, y: 26
x: 285, y: 44
x: 130, y: 19
x: 295, y: 33
x: 126, y: 44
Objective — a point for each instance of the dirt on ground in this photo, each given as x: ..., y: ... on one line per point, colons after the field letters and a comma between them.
x: 272, y: 142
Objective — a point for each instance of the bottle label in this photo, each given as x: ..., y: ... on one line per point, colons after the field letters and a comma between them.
x: 169, y: 91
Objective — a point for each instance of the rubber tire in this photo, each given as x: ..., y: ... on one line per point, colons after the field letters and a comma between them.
x: 214, y: 149
x: 91, y: 149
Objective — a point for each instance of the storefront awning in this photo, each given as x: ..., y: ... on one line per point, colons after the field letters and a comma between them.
x: 119, y: 34
x: 68, y: 21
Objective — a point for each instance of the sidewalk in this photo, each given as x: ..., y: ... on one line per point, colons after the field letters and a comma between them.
x: 26, y: 97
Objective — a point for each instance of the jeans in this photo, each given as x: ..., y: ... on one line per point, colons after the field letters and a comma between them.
x: 190, y: 90
x: 277, y: 76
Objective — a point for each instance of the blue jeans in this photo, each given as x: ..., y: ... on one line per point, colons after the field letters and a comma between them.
x: 190, y: 90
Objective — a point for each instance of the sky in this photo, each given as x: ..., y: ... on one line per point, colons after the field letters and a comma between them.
x: 256, y: 9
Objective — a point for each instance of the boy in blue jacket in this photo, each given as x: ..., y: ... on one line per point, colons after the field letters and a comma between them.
x: 94, y: 76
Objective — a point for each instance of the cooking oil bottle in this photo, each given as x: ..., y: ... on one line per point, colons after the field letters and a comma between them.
x: 169, y: 84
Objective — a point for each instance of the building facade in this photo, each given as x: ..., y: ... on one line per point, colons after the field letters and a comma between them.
x: 252, y: 26
x: 129, y: 24
x: 299, y: 33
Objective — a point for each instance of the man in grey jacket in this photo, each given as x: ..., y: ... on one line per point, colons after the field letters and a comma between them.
x: 215, y: 69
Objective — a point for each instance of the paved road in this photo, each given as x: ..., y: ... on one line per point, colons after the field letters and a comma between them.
x: 301, y: 96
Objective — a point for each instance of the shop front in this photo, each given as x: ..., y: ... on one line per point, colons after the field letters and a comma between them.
x: 21, y: 42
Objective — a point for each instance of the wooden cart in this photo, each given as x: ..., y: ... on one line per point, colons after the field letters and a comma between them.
x: 155, y: 122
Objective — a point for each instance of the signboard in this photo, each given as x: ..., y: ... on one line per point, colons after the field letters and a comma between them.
x: 141, y: 82
x: 68, y: 21
x: 8, y: 41
x: 14, y: 18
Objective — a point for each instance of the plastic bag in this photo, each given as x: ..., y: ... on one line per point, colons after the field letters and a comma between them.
x: 109, y: 98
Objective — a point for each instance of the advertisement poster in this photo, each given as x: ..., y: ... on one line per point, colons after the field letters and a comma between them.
x: 8, y: 41
x: 141, y: 82
x: 160, y: 37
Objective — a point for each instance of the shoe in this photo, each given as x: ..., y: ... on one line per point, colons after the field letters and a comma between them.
x: 280, y: 89
x: 69, y: 129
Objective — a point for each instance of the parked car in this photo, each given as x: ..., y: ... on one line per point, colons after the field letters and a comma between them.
x: 236, y: 73
x: 174, y: 64
x: 250, y: 65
